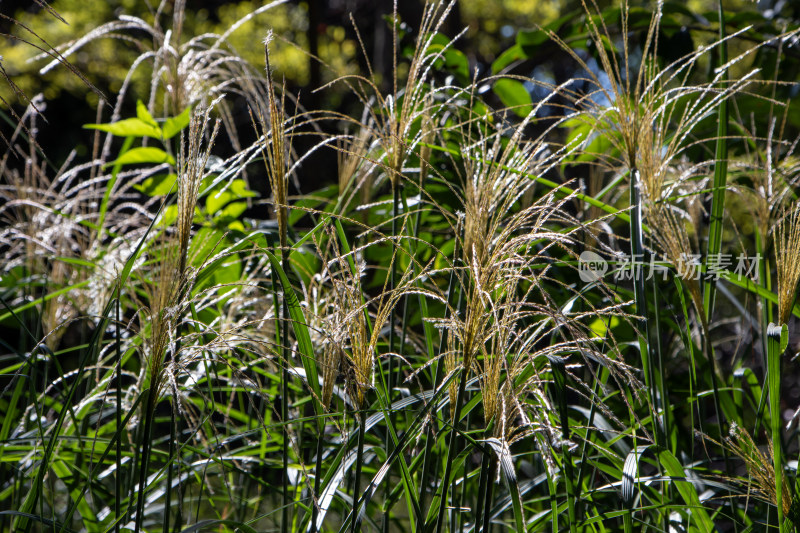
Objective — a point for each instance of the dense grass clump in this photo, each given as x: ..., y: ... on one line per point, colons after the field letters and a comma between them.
x: 517, y: 302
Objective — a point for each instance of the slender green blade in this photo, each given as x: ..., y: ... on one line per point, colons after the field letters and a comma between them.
x: 777, y: 340
x: 674, y: 470
x: 720, y: 176
x: 300, y: 327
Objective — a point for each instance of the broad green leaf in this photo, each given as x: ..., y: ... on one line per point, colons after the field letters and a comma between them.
x: 143, y: 155
x: 529, y: 41
x: 674, y: 470
x: 170, y: 215
x: 452, y: 59
x: 158, y: 185
x: 514, y: 95
x: 236, y: 225
x: 144, y: 115
x: 240, y: 190
x: 173, y: 125
x: 512, y: 55
x: 234, y: 209
x: 601, y: 325
x: 216, y: 201
x: 237, y: 190
x: 129, y: 127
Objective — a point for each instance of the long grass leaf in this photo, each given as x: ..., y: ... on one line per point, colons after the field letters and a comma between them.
x: 777, y: 340
x: 720, y: 173
x: 686, y: 489
x: 300, y: 327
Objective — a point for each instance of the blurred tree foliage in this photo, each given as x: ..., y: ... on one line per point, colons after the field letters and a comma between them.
x: 105, y: 61
x: 492, y: 28
x: 500, y: 36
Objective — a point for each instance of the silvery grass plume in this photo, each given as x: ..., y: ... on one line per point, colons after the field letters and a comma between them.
x: 57, y: 226
x: 275, y: 149
x: 773, y: 170
x: 167, y: 280
x: 392, y: 116
x: 46, y: 218
x: 324, y: 322
x: 496, y: 168
x: 427, y: 136
x: 168, y: 277
x: 355, y: 170
x: 504, y: 242
x: 185, y: 73
x: 515, y: 407
x: 671, y: 237
x: 192, y: 165
x: 356, y: 321
x: 357, y: 354
x: 787, y: 260
x: 39, y: 210
x: 760, y: 472
x: 505, y: 246
x: 160, y: 315
x: 327, y: 299
x: 649, y: 114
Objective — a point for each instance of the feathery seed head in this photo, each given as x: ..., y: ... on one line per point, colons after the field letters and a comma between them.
x: 759, y: 468
x: 355, y: 171
x: 192, y: 162
x: 787, y: 260
x: 275, y: 148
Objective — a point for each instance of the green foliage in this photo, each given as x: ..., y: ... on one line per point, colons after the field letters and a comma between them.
x: 446, y: 335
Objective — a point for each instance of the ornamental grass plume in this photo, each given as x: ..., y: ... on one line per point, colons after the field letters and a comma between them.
x: 166, y: 282
x: 426, y: 140
x: 355, y: 171
x: 343, y: 325
x: 358, y: 353
x: 787, y: 260
x: 166, y: 277
x: 324, y: 317
x: 505, y: 247
x: 46, y: 223
x: 275, y: 149
x: 163, y: 290
x: 391, y: 117
x: 410, y: 103
x: 192, y: 163
x: 504, y: 276
x: 774, y: 172
x: 497, y: 172
x: 648, y: 113
x: 761, y: 472
x: 671, y: 236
